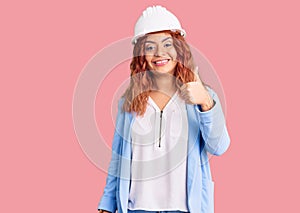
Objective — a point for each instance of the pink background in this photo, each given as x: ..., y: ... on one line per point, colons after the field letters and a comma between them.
x: 253, y: 46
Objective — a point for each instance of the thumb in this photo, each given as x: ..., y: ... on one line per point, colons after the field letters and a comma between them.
x: 197, y: 78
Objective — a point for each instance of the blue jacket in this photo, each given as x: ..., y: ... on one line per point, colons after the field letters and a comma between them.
x: 207, y: 134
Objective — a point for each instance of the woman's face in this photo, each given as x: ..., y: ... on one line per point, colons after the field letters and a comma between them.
x: 160, y: 53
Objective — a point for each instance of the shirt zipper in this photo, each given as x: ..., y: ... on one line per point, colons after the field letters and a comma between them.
x: 161, y: 112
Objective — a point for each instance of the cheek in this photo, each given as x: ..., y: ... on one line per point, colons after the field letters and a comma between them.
x: 173, y: 54
x: 174, y: 63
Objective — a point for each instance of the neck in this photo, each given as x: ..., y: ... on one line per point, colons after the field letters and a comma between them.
x: 165, y: 83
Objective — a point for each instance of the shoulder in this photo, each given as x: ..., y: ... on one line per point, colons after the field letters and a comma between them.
x: 121, y: 101
x: 121, y: 109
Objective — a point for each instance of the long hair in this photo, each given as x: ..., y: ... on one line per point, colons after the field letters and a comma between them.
x: 141, y: 80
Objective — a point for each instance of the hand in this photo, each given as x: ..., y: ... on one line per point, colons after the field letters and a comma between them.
x: 195, y: 93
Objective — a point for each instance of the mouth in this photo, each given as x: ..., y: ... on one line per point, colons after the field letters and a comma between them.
x: 161, y: 62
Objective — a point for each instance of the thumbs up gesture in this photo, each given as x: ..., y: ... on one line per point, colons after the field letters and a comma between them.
x: 195, y: 93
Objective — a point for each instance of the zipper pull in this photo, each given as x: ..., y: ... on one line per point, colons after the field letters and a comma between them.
x: 161, y: 112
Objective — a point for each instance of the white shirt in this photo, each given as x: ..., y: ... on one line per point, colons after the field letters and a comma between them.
x: 159, y: 153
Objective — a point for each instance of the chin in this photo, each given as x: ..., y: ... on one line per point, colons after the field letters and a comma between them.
x: 163, y: 71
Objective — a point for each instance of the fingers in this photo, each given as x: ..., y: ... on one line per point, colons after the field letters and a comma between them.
x: 186, y: 98
x: 185, y: 92
x: 183, y: 87
x: 197, y: 78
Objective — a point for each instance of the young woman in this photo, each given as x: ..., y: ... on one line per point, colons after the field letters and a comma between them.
x: 168, y: 121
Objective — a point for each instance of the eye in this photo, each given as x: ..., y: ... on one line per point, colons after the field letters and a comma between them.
x: 168, y: 44
x: 149, y: 48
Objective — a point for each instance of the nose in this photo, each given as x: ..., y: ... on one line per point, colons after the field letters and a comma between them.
x: 159, y: 51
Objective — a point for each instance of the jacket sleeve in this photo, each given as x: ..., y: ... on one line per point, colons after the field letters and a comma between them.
x: 108, y: 200
x: 213, y: 127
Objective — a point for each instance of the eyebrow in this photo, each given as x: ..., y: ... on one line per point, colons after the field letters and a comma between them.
x: 161, y: 40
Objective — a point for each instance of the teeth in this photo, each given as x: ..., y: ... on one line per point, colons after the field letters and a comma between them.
x: 161, y: 62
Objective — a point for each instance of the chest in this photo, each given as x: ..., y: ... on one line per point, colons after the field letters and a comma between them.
x: 160, y: 99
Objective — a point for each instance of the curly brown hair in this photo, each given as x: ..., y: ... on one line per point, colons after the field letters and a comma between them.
x: 141, y: 81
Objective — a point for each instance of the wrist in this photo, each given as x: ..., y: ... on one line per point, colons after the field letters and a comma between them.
x: 208, y: 104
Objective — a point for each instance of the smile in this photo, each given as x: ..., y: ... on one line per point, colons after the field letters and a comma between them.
x: 161, y: 62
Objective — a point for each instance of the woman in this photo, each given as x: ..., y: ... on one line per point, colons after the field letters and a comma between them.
x: 167, y: 122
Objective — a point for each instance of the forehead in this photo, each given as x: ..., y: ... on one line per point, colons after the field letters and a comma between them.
x: 158, y: 37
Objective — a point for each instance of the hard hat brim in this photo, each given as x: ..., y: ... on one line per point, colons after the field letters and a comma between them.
x: 135, y: 38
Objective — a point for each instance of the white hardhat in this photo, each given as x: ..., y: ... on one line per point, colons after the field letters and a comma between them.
x: 153, y: 19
